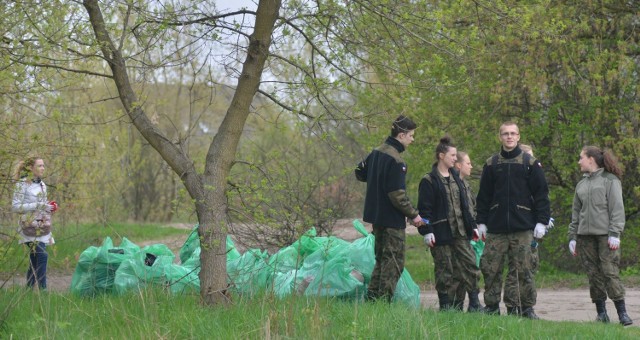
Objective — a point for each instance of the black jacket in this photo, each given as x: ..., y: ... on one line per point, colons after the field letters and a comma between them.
x: 433, y: 205
x: 513, y: 196
x: 386, y: 202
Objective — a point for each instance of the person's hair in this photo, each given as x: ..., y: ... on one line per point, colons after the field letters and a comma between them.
x: 23, y: 168
x: 508, y: 123
x: 526, y: 148
x: 402, y: 124
x: 443, y: 146
x: 460, y: 156
x: 604, y: 159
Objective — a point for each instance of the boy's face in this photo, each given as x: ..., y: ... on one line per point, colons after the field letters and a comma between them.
x: 509, y: 136
x: 406, y: 138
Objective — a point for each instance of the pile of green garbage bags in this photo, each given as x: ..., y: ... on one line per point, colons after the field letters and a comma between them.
x: 312, y: 266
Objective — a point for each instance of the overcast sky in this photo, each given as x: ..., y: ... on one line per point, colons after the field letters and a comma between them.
x: 236, y: 4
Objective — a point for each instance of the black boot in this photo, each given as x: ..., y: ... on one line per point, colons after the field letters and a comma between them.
x: 625, y: 320
x: 529, y: 313
x: 445, y: 304
x: 474, y: 302
x: 515, y: 310
x: 492, y: 309
x: 601, y: 308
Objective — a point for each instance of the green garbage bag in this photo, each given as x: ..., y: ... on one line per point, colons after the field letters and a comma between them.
x: 96, y: 268
x: 249, y: 273
x: 360, y: 252
x: 407, y: 291
x: 478, y: 247
x: 332, y: 276
x: 150, y: 266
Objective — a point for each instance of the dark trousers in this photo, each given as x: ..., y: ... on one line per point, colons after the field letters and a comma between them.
x: 37, y: 271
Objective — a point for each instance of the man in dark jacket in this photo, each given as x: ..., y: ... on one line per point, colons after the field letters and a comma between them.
x: 387, y: 207
x: 513, y: 201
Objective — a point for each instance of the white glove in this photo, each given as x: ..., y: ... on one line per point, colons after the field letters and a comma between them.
x: 476, y: 235
x: 572, y: 247
x: 551, y: 224
x: 482, y: 231
x: 539, y: 231
x: 430, y: 240
x: 614, y: 242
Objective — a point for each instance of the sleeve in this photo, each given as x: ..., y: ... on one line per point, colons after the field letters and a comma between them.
x: 575, y: 216
x: 425, y: 205
x: 18, y: 203
x: 540, y: 193
x: 395, y: 188
x: 485, y: 195
x: 615, y: 208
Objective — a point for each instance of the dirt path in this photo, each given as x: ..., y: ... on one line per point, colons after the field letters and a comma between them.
x: 553, y: 304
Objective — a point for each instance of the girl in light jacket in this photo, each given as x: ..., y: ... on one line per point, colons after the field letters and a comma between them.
x: 597, y: 221
x: 29, y: 200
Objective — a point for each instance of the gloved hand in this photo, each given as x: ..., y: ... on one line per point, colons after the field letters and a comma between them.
x: 614, y: 242
x: 476, y: 235
x: 539, y: 231
x: 572, y: 247
x: 482, y: 231
x: 551, y: 224
x: 430, y: 240
x: 54, y: 206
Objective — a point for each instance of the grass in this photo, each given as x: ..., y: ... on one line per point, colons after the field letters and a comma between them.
x: 155, y: 314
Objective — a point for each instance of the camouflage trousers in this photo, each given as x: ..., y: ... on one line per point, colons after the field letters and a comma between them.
x: 511, y: 295
x: 389, y: 253
x: 515, y: 248
x: 602, y: 266
x: 455, y: 267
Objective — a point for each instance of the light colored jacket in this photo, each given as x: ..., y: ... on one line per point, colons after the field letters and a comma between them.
x: 598, y: 208
x: 28, y: 198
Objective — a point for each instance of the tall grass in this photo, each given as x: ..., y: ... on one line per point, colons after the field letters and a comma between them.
x: 154, y: 314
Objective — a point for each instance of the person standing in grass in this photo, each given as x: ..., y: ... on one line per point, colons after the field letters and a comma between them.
x: 443, y: 201
x: 463, y: 166
x: 387, y: 207
x: 30, y: 201
x: 513, y: 201
x: 597, y: 222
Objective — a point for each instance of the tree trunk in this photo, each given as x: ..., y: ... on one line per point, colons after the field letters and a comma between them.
x: 208, y: 190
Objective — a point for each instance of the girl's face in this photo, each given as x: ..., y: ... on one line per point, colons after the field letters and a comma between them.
x: 38, y: 168
x: 465, y: 166
x: 586, y: 163
x: 449, y: 158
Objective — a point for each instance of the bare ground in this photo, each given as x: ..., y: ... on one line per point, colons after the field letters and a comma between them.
x: 553, y: 304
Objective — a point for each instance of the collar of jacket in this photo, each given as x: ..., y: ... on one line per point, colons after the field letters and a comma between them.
x: 395, y: 143
x: 595, y: 173
x: 511, y: 154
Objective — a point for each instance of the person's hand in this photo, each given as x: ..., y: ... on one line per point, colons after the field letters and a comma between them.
x: 551, y: 224
x: 48, y: 207
x: 476, y: 235
x: 430, y: 240
x: 572, y: 247
x: 54, y: 206
x: 614, y: 242
x: 482, y: 231
x: 539, y: 231
x: 417, y: 221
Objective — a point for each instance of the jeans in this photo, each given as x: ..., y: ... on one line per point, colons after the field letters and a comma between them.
x: 37, y: 264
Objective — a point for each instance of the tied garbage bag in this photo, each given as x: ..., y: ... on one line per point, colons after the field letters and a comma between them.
x: 249, y: 273
x: 407, y: 291
x: 360, y: 252
x: 97, y: 266
x: 190, y: 250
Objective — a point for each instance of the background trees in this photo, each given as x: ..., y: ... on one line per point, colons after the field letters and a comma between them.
x: 253, y: 118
